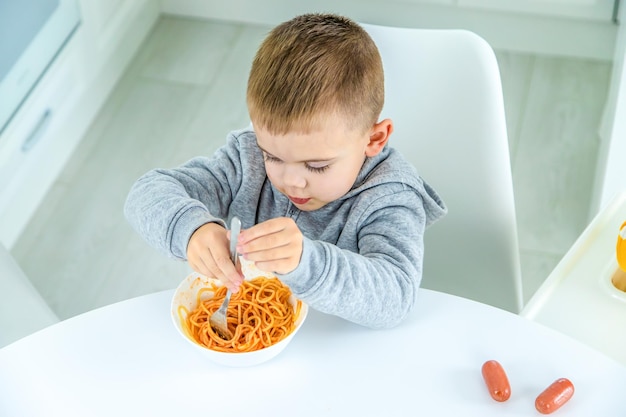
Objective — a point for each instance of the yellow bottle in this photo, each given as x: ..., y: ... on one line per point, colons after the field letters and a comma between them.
x: 621, y: 247
x: 619, y: 277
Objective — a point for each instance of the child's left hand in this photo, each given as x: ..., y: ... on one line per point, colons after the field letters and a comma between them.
x: 274, y: 245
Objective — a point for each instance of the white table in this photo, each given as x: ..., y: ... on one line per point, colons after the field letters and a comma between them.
x: 128, y: 360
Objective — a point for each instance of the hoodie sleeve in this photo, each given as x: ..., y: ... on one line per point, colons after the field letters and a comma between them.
x: 376, y: 287
x: 165, y: 206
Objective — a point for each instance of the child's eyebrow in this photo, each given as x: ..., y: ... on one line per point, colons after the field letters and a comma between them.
x: 306, y: 161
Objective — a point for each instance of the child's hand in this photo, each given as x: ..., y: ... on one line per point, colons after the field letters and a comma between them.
x: 208, y: 253
x: 274, y: 245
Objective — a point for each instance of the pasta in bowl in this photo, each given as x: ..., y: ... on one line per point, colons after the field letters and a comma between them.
x: 263, y: 316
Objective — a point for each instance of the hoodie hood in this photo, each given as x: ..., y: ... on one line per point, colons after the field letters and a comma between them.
x: 388, y: 167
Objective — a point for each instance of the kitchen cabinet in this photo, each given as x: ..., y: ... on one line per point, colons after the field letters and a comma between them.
x: 48, y: 126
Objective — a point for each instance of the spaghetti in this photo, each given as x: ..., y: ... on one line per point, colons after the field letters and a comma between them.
x: 259, y: 315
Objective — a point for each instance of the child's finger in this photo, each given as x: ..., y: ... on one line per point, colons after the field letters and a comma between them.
x: 227, y: 272
x: 270, y: 254
x: 264, y: 243
x: 263, y: 229
x: 271, y: 234
x: 279, y: 266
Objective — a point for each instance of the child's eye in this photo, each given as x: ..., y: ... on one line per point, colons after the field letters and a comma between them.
x: 270, y: 158
x: 318, y: 170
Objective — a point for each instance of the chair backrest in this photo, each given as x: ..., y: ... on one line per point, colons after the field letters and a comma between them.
x: 444, y: 94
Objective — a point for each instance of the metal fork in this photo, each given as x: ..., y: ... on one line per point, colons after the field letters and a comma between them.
x: 218, y: 320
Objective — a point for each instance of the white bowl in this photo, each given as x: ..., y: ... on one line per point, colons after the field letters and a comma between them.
x: 186, y: 295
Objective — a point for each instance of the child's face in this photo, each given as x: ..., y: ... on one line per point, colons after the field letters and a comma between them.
x: 315, y: 168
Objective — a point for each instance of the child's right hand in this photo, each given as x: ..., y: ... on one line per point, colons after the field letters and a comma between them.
x: 208, y: 254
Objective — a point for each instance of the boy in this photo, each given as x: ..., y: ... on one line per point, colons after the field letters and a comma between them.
x: 325, y: 205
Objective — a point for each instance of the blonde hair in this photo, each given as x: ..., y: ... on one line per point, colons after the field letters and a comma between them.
x: 312, y: 66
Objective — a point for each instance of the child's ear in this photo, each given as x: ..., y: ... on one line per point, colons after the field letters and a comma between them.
x: 379, y: 135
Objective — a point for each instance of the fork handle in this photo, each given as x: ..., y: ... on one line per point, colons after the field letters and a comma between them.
x: 235, y: 229
x: 224, y: 305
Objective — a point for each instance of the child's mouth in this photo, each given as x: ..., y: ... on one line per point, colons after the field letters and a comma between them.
x: 297, y: 200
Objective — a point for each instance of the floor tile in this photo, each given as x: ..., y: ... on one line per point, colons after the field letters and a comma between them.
x: 186, y: 50
x: 515, y: 74
x: 223, y: 108
x: 555, y: 162
x: 536, y: 267
x: 77, y: 249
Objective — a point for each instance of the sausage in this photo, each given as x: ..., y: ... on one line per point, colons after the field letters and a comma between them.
x: 553, y: 397
x: 496, y: 380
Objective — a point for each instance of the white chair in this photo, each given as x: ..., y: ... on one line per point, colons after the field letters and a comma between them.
x: 22, y: 311
x: 444, y: 94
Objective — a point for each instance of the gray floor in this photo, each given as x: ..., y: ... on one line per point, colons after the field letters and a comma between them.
x: 185, y: 90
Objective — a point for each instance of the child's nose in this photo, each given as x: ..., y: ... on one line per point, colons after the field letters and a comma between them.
x: 292, y: 177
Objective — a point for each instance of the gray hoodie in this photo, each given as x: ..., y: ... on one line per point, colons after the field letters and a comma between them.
x: 362, y: 254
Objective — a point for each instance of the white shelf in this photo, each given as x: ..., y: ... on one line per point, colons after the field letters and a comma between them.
x: 578, y: 297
